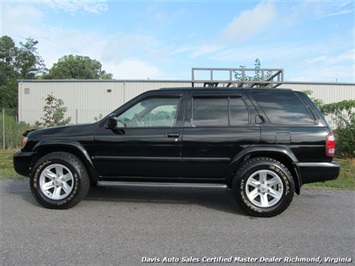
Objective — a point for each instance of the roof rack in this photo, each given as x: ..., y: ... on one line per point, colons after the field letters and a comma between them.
x: 237, y: 77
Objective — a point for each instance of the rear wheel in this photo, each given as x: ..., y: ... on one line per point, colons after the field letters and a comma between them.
x: 59, y: 180
x: 263, y: 187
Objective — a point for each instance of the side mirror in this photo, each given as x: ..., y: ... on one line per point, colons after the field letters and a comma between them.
x: 259, y: 119
x: 112, y: 122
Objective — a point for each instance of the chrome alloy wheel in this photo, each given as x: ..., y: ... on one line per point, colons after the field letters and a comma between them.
x: 56, y: 181
x: 264, y: 188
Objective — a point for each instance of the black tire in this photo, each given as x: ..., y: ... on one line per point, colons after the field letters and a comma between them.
x: 263, y: 187
x: 59, y: 180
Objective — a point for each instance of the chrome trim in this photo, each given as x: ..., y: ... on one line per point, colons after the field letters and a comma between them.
x: 317, y: 164
x: 137, y: 158
x: 160, y: 184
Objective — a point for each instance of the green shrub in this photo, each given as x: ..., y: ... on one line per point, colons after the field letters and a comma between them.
x: 342, y: 115
x: 54, y: 113
x: 13, y: 130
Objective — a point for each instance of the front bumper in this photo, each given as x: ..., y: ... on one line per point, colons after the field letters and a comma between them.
x: 318, y: 172
x: 23, y: 162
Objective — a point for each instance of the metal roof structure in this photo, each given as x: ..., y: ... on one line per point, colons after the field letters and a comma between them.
x: 237, y: 77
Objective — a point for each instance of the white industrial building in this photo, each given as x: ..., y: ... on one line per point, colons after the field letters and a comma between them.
x: 88, y: 100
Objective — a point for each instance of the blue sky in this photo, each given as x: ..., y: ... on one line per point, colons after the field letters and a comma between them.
x: 310, y: 40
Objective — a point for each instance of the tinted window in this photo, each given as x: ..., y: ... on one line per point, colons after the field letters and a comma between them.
x: 238, y: 112
x: 283, y: 108
x: 219, y: 112
x: 151, y: 112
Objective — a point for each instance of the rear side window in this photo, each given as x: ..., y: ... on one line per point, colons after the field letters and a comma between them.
x: 223, y: 111
x: 283, y: 108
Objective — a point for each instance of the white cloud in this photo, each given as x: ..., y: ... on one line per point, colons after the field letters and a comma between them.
x: 329, y: 68
x: 325, y: 74
x: 274, y: 52
x: 73, y: 6
x: 348, y: 56
x: 250, y: 22
x: 311, y: 10
x: 206, y: 49
x: 133, y: 55
x: 111, y: 51
x: 132, y: 69
x: 115, y: 51
x: 59, y: 42
x: 336, y: 8
x: 20, y: 20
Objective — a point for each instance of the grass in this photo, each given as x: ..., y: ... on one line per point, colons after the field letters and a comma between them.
x: 346, y: 180
x: 6, y: 165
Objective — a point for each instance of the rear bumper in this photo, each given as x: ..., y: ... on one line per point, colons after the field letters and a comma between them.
x: 23, y: 162
x: 318, y: 172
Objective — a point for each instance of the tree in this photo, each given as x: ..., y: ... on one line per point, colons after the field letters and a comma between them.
x: 77, y: 67
x: 17, y: 63
x: 318, y: 102
x: 341, y: 116
x: 8, y: 53
x: 239, y: 75
x: 29, y: 64
x: 8, y: 74
x: 54, y: 112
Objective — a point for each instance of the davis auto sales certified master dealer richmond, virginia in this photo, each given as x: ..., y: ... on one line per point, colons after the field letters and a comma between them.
x: 237, y: 259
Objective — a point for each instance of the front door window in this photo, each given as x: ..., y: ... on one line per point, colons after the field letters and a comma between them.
x: 151, y: 112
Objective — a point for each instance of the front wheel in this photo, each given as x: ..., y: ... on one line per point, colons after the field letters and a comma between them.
x: 263, y: 187
x: 59, y: 180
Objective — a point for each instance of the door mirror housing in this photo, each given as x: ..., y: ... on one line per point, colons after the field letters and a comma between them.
x: 112, y: 122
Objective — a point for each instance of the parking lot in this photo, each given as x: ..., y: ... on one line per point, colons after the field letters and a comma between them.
x: 133, y: 226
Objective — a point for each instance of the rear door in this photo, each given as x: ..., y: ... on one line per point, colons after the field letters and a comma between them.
x: 217, y: 127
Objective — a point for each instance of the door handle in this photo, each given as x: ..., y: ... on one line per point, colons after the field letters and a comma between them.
x: 173, y: 135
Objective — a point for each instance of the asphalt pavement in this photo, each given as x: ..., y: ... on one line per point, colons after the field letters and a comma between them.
x: 173, y: 226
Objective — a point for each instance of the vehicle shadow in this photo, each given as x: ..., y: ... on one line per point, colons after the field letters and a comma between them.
x: 219, y: 199
x: 19, y: 186
x: 214, y: 198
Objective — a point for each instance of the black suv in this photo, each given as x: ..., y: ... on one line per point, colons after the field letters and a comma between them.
x: 263, y: 144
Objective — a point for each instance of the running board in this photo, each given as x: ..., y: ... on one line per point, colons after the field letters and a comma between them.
x: 159, y: 184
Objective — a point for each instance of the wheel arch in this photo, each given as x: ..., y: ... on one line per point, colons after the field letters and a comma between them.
x: 281, y: 154
x: 48, y: 146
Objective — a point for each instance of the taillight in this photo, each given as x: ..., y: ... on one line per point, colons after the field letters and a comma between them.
x: 330, y: 145
x: 24, y: 141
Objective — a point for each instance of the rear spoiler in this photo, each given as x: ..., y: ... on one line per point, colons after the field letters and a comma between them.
x: 28, y: 131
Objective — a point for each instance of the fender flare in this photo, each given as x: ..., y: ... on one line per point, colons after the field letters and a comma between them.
x: 267, y: 151
x: 75, y: 147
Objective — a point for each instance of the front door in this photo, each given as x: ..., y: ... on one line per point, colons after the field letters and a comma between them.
x: 146, y: 141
